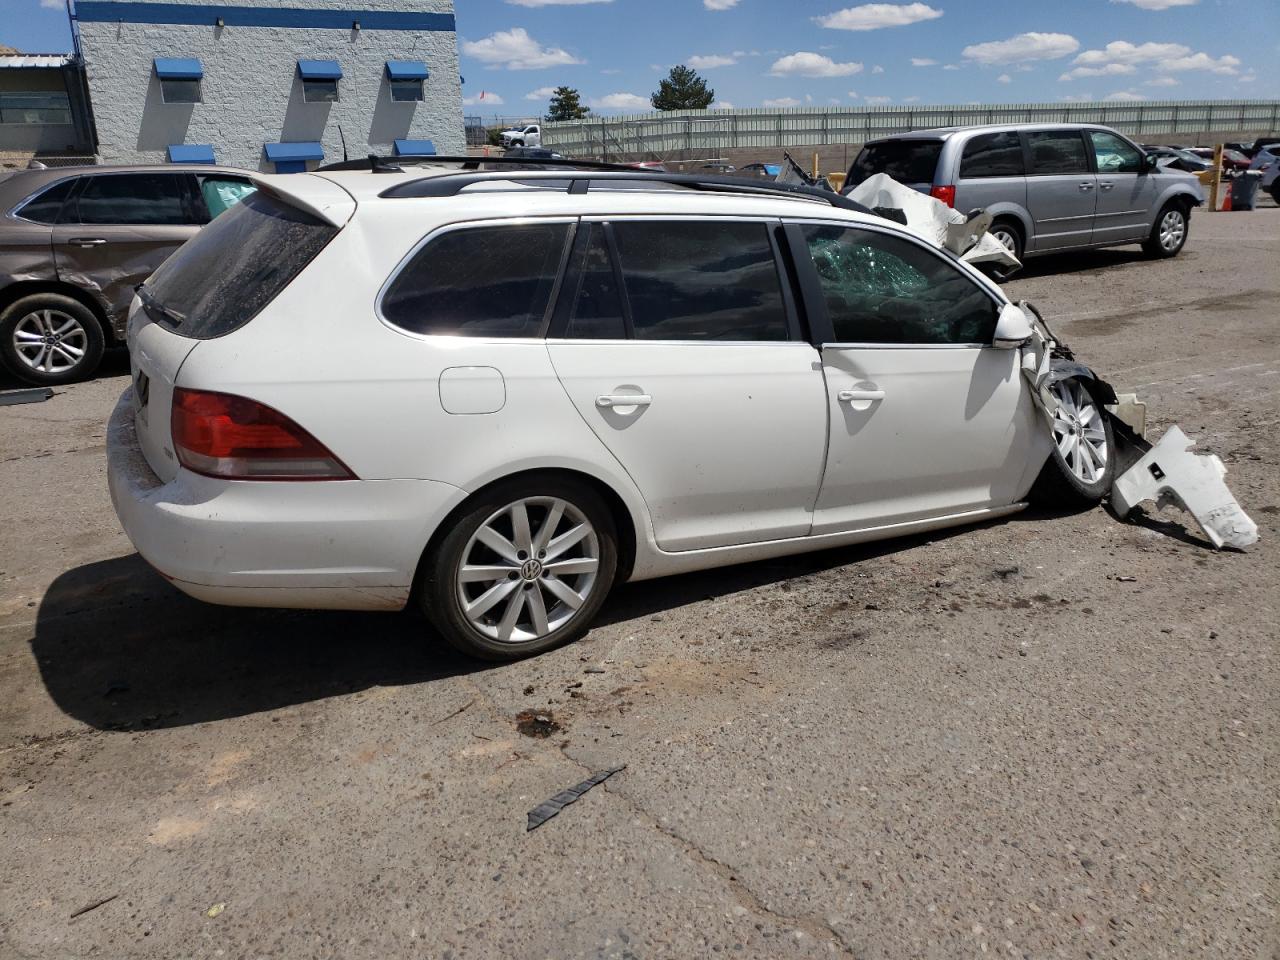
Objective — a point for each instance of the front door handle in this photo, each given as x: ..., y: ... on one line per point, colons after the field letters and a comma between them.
x: 1106, y: 186
x: 88, y: 241
x: 624, y: 400
x: 847, y: 395
x: 1086, y: 186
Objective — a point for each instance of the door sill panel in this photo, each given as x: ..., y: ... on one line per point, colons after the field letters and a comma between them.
x: 659, y: 563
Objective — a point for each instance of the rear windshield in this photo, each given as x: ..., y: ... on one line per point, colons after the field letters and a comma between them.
x: 907, y: 161
x: 221, y: 278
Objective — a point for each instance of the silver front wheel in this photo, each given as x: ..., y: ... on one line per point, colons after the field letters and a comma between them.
x: 1079, y: 433
x: 1173, y: 230
x: 528, y: 570
x: 50, y: 341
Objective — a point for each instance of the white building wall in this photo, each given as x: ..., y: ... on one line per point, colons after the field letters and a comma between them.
x: 252, y: 92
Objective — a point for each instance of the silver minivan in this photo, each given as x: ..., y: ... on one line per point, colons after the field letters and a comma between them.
x: 1050, y: 187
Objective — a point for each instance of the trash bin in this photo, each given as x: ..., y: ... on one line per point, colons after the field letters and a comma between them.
x: 1244, y: 189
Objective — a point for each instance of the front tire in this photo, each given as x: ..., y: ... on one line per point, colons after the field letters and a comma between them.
x: 1010, y: 236
x: 1082, y: 465
x: 1169, y: 233
x: 524, y: 569
x: 48, y: 339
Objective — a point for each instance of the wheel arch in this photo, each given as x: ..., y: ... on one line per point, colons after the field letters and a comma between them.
x: 25, y: 288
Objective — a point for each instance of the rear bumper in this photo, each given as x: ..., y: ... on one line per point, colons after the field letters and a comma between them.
x: 351, y: 544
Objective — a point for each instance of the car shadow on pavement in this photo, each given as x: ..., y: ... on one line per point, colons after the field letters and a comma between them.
x: 1052, y: 265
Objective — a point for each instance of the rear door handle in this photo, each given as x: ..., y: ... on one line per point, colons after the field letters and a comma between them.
x: 847, y: 395
x: 624, y: 400
x: 88, y: 241
x: 1106, y: 186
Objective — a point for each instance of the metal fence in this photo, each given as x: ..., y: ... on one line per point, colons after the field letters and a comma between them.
x: 10, y: 161
x: 661, y: 135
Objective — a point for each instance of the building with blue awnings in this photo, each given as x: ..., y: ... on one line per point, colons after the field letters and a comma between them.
x: 276, y: 87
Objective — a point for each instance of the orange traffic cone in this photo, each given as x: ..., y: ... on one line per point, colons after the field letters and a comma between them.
x: 1226, y: 201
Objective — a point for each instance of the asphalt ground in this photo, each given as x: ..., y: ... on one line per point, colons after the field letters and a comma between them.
x: 905, y: 749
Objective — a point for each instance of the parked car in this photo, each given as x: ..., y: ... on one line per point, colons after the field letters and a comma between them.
x: 75, y: 241
x: 530, y: 135
x: 1050, y: 187
x: 1176, y: 158
x: 536, y: 154
x: 1233, y: 161
x: 719, y: 167
x: 767, y: 171
x: 1267, y: 161
x: 505, y: 395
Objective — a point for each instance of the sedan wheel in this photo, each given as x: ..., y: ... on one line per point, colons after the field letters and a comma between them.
x: 50, y: 342
x: 1078, y: 432
x: 49, y: 339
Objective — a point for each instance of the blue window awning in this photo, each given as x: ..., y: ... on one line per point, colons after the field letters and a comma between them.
x: 319, y: 70
x: 415, y: 148
x: 406, y: 70
x: 191, y: 153
x: 178, y: 68
x: 300, y: 150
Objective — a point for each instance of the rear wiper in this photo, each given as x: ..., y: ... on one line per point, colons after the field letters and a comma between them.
x: 153, y: 307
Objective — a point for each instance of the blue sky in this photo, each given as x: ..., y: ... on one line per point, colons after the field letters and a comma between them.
x: 824, y: 52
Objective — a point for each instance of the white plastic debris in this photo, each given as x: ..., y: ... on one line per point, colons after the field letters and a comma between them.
x: 1169, y: 471
x: 935, y: 221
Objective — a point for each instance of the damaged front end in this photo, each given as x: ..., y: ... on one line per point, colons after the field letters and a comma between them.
x: 1167, y: 472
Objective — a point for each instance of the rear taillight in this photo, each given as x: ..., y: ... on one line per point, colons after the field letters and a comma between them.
x: 235, y: 438
x: 946, y: 194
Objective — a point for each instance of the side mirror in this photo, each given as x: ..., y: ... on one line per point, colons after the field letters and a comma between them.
x: 1013, y: 329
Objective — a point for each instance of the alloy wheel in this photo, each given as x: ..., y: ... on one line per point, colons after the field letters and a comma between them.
x: 1006, y: 238
x: 528, y: 569
x: 1078, y: 431
x: 1173, y: 227
x: 50, y: 341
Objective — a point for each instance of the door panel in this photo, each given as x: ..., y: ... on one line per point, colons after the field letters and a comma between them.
x: 1125, y: 194
x: 726, y: 442
x: 1061, y: 189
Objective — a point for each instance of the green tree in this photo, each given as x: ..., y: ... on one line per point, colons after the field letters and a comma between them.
x: 682, y: 90
x: 566, y: 104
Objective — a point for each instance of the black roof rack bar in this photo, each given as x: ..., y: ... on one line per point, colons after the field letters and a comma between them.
x: 378, y: 164
x: 577, y: 181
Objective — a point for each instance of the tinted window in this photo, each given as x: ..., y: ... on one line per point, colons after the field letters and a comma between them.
x: 45, y: 207
x: 220, y: 279
x: 597, y: 306
x: 405, y: 90
x: 180, y: 91
x: 907, y: 161
x: 992, y: 155
x: 701, y: 280
x: 1057, y: 151
x: 479, y: 282
x: 883, y: 289
x: 320, y: 91
x: 132, y: 198
x: 1113, y: 154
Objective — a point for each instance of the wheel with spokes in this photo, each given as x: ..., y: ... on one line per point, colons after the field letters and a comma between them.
x: 1169, y: 233
x: 1081, y: 466
x: 48, y: 339
x: 525, y: 569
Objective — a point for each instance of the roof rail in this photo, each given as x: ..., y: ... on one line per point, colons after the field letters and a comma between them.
x: 580, y: 181
x: 377, y: 164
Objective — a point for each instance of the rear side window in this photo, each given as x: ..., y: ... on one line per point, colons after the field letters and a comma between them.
x: 907, y: 161
x: 1057, y: 151
x: 45, y: 207
x: 1114, y: 155
x: 221, y: 278
x: 883, y: 289
x: 701, y: 280
x: 479, y: 282
x: 143, y: 199
x: 992, y: 155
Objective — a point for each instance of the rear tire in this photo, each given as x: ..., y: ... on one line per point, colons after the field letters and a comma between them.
x: 49, y: 339
x: 502, y: 585
x: 1082, y: 437
x: 1169, y: 233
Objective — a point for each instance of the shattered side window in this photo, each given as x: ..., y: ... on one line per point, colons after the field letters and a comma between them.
x: 883, y: 289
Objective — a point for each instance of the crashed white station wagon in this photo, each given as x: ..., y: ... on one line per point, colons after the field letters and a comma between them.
x: 495, y: 393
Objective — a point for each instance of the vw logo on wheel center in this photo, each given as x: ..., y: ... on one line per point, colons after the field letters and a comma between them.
x: 531, y: 569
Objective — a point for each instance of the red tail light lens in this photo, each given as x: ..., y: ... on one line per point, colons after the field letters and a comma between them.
x: 946, y: 194
x: 235, y: 438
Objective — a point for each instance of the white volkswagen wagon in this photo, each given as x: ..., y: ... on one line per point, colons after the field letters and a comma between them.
x: 495, y: 394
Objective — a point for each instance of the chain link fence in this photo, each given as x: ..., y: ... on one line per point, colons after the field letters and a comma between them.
x: 10, y: 161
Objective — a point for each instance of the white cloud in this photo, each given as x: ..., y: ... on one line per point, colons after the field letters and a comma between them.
x: 1159, y: 4
x: 805, y: 64
x: 553, y: 3
x: 53, y: 4
x: 874, y: 16
x: 877, y: 69
x: 719, y: 4
x: 1199, y: 61
x: 1247, y: 78
x: 1110, y: 70
x: 1004, y: 78
x: 1078, y: 98
x: 923, y: 62
x: 710, y: 61
x: 781, y: 102
x: 1023, y: 47
x: 483, y: 99
x: 516, y: 50
x: 738, y: 53
x: 1125, y: 96
x: 1167, y: 82
x: 542, y: 93
x: 721, y: 105
x: 878, y: 101
x: 611, y: 71
x: 852, y: 94
x: 1121, y: 51
x: 952, y: 66
x: 834, y: 101
x: 622, y: 101
x: 910, y: 99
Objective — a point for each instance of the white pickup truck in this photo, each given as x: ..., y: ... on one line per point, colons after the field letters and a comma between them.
x: 527, y: 136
